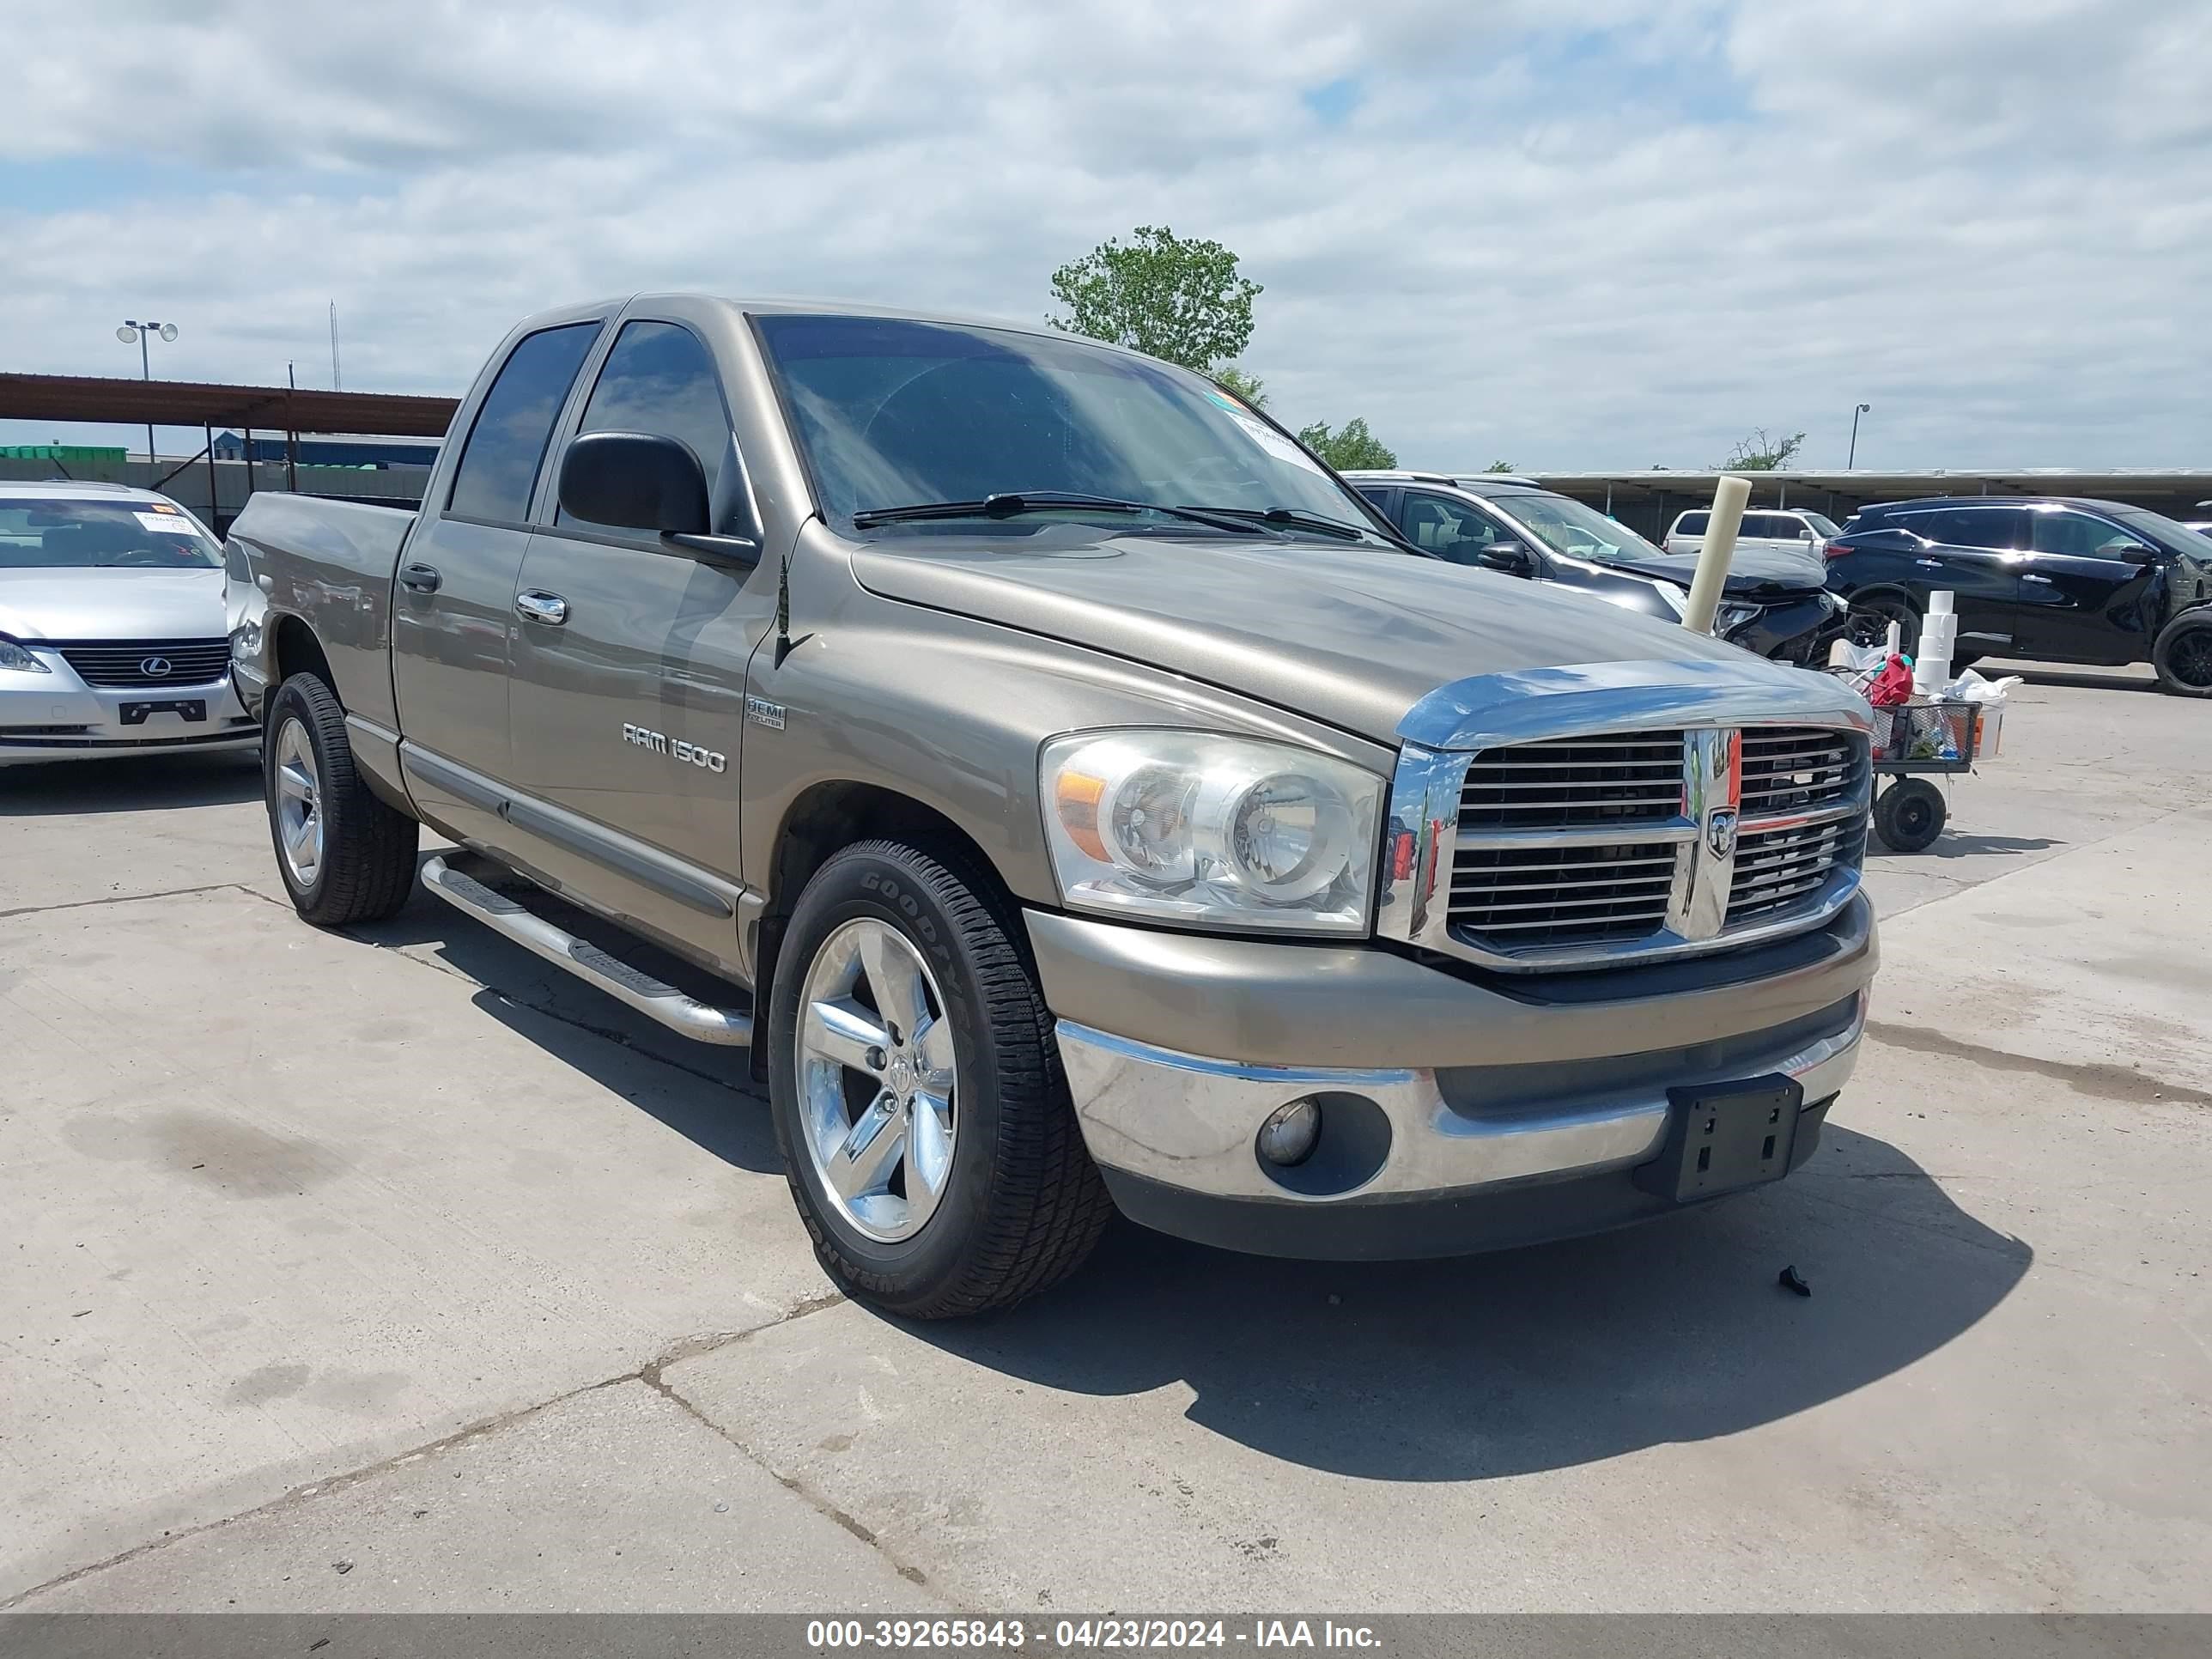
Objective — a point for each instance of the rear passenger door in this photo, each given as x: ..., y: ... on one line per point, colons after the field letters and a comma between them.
x: 452, y: 623
x: 629, y: 687
x: 1976, y: 553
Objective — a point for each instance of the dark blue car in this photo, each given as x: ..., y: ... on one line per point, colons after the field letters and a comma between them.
x: 2051, y: 580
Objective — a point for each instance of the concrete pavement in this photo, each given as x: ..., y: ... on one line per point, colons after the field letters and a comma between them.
x: 399, y: 1251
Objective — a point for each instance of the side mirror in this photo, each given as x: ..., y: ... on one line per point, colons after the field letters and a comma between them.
x: 1511, y: 557
x: 2135, y: 553
x: 635, y: 481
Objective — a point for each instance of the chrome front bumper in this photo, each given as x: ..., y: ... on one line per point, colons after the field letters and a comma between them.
x: 57, y: 716
x: 1189, y: 1122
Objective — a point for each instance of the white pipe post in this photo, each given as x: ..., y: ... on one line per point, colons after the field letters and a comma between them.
x: 1730, y: 497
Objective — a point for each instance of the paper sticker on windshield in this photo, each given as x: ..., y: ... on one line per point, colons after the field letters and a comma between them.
x: 1275, y: 443
x: 171, y: 520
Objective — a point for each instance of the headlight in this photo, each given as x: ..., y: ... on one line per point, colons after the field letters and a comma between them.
x: 1733, y: 617
x: 14, y: 656
x: 1212, y: 831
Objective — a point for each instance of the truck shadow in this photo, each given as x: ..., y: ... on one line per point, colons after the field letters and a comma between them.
x: 699, y: 1092
x: 1530, y: 1359
x: 150, y: 784
x: 1490, y: 1365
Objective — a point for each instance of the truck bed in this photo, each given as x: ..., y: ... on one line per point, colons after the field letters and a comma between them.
x: 331, y: 563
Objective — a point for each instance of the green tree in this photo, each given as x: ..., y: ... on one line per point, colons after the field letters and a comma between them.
x: 1234, y: 381
x: 1499, y: 467
x: 1353, y: 448
x: 1183, y: 301
x: 1761, y: 453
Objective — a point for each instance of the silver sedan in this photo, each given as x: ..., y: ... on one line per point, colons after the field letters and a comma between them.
x: 114, y: 638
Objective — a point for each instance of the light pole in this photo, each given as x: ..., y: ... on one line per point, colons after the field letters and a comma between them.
x: 1852, y: 461
x: 138, y: 331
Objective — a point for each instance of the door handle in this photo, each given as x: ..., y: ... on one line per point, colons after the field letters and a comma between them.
x: 2031, y: 577
x: 1929, y: 564
x: 421, y: 578
x: 537, y: 606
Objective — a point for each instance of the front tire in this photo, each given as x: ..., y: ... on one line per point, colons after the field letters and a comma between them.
x: 926, y: 1127
x: 2182, y: 655
x: 1868, y: 624
x: 344, y: 855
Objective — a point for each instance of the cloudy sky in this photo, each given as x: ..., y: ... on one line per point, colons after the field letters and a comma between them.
x: 1566, y: 234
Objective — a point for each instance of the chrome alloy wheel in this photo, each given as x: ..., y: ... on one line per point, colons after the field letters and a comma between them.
x: 878, y: 1081
x: 299, y: 806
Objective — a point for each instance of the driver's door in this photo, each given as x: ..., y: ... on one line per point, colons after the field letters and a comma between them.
x: 2080, y: 601
x: 1459, y: 530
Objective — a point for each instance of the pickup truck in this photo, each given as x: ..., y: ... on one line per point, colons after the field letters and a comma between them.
x: 1071, y: 793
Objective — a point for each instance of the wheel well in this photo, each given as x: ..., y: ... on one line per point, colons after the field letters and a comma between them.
x: 298, y: 651
x: 829, y: 817
x: 1882, y: 591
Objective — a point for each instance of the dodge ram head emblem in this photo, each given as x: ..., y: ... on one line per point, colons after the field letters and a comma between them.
x: 1720, y: 833
x: 154, y: 668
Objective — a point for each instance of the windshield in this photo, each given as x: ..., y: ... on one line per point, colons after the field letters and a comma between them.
x: 1566, y: 526
x: 60, y: 534
x: 1824, y: 523
x: 892, y: 413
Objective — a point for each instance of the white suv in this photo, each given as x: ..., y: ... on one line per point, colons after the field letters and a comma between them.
x: 1769, y: 527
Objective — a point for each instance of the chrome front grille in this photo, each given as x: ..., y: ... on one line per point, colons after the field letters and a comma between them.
x: 1526, y: 897
x: 147, y: 662
x: 1601, y: 846
x: 1634, y: 777
x: 1795, y: 768
x: 1777, y: 868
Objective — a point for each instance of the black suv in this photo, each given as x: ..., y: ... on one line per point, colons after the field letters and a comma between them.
x: 1774, y: 603
x: 2050, y: 580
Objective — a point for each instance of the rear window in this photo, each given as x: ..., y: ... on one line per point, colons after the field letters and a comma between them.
x: 1692, y: 523
x: 61, y: 534
x: 499, y: 466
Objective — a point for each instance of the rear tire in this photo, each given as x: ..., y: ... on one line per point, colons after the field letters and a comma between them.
x: 1908, y: 815
x: 2183, y: 655
x: 345, y: 856
x: 1013, y: 1203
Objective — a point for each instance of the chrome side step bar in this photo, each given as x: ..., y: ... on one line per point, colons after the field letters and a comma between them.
x: 657, y: 1002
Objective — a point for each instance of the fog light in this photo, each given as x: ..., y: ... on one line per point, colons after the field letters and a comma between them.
x: 1287, y: 1136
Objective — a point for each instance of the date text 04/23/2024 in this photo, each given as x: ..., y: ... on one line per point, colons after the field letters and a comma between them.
x: 830, y: 1635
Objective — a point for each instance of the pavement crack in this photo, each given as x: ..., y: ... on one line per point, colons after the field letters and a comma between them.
x: 119, y: 898
x: 653, y: 1378
x: 649, y: 1374
x: 2123, y: 1083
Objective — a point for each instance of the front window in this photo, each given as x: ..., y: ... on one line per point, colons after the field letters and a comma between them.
x: 2159, y: 530
x: 893, y: 413
x: 61, y: 534
x: 1566, y: 526
x: 1822, y: 523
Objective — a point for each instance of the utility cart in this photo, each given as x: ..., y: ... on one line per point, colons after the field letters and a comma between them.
x: 1913, y: 741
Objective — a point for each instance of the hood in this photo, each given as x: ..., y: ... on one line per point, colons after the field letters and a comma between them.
x: 1754, y: 573
x: 87, y: 603
x: 1351, y: 637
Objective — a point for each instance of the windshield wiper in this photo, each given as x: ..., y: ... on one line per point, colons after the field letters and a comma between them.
x: 1291, y: 518
x: 1006, y: 504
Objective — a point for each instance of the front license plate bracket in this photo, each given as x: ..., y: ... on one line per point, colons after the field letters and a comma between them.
x: 1725, y: 1136
x: 191, y: 709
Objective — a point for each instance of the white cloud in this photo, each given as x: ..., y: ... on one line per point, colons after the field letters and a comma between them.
x: 1595, y: 233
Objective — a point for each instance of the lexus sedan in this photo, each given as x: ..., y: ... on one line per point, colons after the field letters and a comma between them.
x: 114, y: 637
